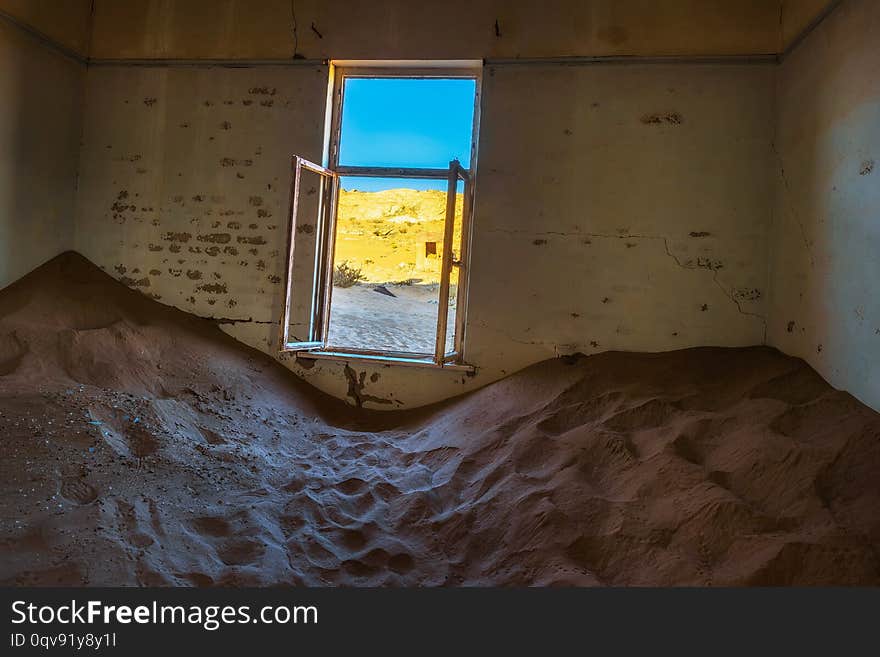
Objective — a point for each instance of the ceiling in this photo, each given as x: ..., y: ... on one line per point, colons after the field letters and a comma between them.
x: 402, y: 29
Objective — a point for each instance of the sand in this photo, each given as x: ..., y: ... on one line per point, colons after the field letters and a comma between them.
x: 142, y: 446
x: 363, y: 318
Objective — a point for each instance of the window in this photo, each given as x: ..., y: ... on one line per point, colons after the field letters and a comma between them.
x: 380, y: 233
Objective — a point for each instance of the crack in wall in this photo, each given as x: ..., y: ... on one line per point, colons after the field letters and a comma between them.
x: 669, y: 253
x: 229, y: 320
x: 720, y: 286
x: 808, y: 245
x: 528, y: 343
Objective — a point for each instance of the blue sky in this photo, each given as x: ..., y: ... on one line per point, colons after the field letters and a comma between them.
x: 405, y: 122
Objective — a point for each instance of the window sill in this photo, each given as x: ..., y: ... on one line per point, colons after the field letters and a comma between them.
x: 384, y: 360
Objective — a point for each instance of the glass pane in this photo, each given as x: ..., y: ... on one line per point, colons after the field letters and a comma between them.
x: 313, y: 192
x: 389, y: 246
x: 451, y: 314
x: 407, y: 122
x: 454, y: 274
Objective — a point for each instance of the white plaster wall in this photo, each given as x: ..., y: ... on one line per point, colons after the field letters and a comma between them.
x: 618, y: 206
x: 825, y: 305
x: 615, y: 202
x: 40, y: 119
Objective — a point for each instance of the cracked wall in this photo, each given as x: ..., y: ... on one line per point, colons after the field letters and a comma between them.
x: 825, y: 253
x: 631, y: 216
x: 40, y: 117
x: 639, y: 235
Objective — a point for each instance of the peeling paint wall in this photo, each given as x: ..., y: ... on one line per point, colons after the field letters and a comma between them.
x: 40, y: 119
x: 185, y: 182
x: 825, y: 304
x: 250, y: 29
x: 631, y: 215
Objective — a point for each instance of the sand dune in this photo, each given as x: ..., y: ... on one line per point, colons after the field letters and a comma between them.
x: 141, y: 445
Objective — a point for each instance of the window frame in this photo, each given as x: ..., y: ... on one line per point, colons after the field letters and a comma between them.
x: 317, y: 346
x: 325, y: 230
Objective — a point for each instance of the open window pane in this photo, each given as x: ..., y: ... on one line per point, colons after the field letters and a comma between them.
x: 387, y: 265
x: 311, y: 201
x: 406, y: 122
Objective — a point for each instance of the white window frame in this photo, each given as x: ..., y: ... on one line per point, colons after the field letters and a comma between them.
x: 316, y: 346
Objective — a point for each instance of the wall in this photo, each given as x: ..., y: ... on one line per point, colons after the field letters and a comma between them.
x: 185, y: 180
x: 640, y: 201
x: 40, y: 120
x: 630, y: 215
x: 826, y: 239
x: 462, y: 29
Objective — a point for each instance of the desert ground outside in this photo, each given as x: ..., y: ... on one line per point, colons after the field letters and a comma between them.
x: 394, y: 240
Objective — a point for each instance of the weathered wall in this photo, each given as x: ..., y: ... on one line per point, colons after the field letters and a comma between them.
x: 825, y: 304
x: 632, y: 215
x: 461, y: 29
x: 185, y: 180
x: 67, y: 22
x: 40, y: 120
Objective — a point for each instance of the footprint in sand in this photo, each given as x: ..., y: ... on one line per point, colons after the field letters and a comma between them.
x: 78, y: 491
x: 212, y: 437
x: 241, y: 551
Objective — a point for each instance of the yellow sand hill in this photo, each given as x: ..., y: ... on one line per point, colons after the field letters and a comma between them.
x: 394, y: 235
